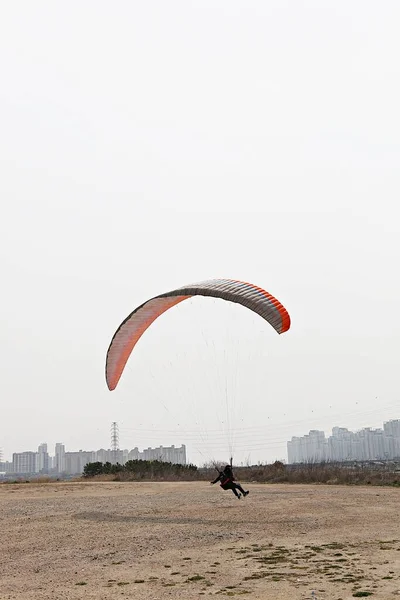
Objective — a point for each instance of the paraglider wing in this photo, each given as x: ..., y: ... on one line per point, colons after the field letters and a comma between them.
x: 129, y: 332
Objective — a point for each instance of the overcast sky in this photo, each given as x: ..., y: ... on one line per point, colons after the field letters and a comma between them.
x: 146, y: 145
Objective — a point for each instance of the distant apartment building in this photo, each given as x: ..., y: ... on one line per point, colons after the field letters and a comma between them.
x: 111, y: 456
x: 163, y: 453
x: 135, y: 454
x: 43, y: 459
x: 24, y: 463
x: 6, y: 467
x: 59, y: 458
x: 76, y: 461
x: 392, y: 428
x: 345, y: 445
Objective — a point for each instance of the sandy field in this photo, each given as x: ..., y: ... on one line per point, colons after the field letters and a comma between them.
x: 188, y: 540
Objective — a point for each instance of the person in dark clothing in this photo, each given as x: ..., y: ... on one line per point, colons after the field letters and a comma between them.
x: 227, y: 482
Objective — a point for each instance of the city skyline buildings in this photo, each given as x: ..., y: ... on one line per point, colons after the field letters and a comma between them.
x: 344, y: 445
x: 365, y: 443
x: 265, y: 442
x: 66, y: 463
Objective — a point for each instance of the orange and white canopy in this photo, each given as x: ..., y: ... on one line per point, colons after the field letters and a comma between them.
x: 132, y: 328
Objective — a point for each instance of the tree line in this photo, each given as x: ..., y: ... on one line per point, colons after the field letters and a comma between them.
x: 141, y: 469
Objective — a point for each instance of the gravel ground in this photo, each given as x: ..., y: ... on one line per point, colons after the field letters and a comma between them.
x: 187, y: 540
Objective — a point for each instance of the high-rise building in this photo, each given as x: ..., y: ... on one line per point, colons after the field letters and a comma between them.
x: 111, y: 456
x: 311, y: 447
x: 75, y: 461
x: 43, y: 459
x: 392, y: 428
x: 6, y: 467
x: 60, y: 458
x: 24, y: 462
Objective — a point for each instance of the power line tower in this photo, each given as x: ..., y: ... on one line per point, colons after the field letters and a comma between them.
x: 114, y: 442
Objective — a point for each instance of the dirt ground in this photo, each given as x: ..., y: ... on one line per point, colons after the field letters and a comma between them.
x: 187, y: 540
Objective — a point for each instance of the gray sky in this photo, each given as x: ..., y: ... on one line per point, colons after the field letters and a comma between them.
x: 146, y: 145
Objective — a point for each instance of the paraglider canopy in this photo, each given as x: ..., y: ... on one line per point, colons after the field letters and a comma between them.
x: 132, y: 328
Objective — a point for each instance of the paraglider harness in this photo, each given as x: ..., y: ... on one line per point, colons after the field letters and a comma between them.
x: 226, y: 483
x: 226, y: 480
